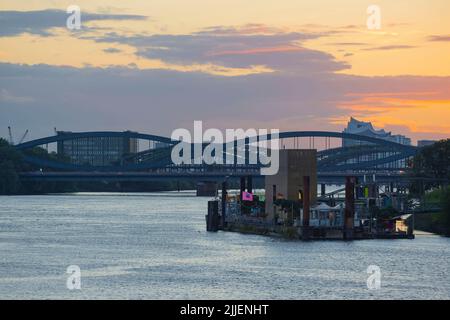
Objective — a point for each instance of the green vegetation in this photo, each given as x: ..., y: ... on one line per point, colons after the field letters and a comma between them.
x: 10, y: 163
x: 436, y: 222
x: 445, y: 214
x: 431, y: 170
x: 432, y: 162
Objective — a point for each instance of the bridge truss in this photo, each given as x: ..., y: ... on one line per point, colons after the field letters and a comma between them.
x: 367, y: 155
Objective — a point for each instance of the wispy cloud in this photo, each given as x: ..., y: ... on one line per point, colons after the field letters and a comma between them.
x: 40, y: 22
x: 247, y: 29
x: 349, y: 44
x: 159, y: 100
x: 233, y: 47
x: 112, y: 50
x: 439, y: 38
x: 390, y: 47
x: 9, y: 98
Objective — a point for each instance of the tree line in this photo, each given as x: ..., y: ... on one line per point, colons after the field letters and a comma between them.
x: 431, y: 170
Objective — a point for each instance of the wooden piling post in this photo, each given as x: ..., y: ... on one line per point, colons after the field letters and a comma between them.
x: 306, y: 207
x: 349, y: 207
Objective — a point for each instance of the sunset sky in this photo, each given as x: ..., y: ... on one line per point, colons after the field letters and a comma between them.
x: 154, y: 66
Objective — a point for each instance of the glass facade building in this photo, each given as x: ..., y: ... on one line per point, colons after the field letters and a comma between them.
x: 97, y: 151
x: 366, y: 129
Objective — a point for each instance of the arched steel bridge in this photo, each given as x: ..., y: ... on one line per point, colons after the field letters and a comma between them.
x: 370, y: 154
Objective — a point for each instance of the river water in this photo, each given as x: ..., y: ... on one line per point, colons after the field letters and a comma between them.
x: 154, y: 246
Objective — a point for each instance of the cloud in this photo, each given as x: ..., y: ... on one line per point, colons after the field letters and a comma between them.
x: 247, y: 29
x: 390, y: 47
x: 112, y: 50
x: 349, y: 44
x: 439, y: 38
x: 9, y: 98
x: 398, y: 24
x: 39, y: 22
x: 158, y: 101
x: 234, y: 48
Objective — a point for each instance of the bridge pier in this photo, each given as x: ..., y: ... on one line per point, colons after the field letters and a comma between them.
x: 250, y: 184
x: 224, y: 203
x: 322, y: 189
x: 212, y: 219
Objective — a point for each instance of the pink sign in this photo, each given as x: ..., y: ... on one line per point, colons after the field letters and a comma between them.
x: 247, y: 196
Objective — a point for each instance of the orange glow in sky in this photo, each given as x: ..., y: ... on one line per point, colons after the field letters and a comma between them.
x: 414, y: 40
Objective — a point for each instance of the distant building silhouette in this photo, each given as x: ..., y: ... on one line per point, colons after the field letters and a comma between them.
x: 366, y: 129
x: 97, y: 151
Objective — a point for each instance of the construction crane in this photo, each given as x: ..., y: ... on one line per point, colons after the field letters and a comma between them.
x: 24, y: 136
x: 11, y: 141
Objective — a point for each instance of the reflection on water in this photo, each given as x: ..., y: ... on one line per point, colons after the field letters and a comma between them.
x: 154, y: 246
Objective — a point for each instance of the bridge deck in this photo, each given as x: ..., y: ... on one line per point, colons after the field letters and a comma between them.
x: 328, y: 178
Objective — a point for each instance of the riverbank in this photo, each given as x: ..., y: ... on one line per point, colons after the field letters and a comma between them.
x: 432, y: 223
